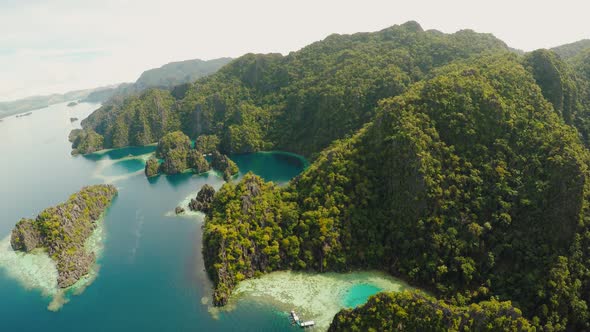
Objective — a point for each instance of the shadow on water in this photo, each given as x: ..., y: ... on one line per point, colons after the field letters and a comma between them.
x: 178, y: 179
x: 120, y: 153
x: 124, y: 167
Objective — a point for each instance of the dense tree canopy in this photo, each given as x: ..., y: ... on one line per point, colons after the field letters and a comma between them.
x: 300, y: 102
x: 563, y: 87
x: 569, y: 51
x: 411, y: 311
x: 470, y: 184
x: 444, y: 159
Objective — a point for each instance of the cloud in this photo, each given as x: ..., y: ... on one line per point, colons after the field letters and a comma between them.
x: 58, y: 45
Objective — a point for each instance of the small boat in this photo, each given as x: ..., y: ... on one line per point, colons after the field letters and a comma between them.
x: 294, y: 317
x: 309, y: 323
x: 295, y: 320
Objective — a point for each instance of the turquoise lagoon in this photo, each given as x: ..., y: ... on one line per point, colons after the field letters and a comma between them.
x: 150, y: 274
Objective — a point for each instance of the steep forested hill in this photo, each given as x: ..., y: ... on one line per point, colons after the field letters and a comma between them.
x: 300, y: 102
x: 469, y: 184
x: 565, y: 86
x: 445, y: 159
x: 569, y: 51
x: 176, y: 73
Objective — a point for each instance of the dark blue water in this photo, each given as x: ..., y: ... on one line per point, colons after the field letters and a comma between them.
x: 152, y: 275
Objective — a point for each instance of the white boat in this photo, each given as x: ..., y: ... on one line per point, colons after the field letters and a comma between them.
x: 309, y: 323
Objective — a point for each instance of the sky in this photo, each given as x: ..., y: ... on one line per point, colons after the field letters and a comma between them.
x: 54, y: 46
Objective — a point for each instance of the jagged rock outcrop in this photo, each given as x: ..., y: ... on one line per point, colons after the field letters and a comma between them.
x: 203, y: 200
x: 63, y: 230
x: 25, y: 237
x: 223, y: 164
x: 197, y: 162
x: 152, y: 167
x: 179, y: 210
x: 175, y: 149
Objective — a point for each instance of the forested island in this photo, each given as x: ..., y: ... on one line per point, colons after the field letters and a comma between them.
x: 63, y: 230
x: 448, y: 160
x: 178, y: 155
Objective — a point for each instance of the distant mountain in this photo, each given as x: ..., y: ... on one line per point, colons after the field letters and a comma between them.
x: 176, y: 73
x: 300, y: 102
x: 36, y: 102
x: 569, y: 51
x: 165, y: 77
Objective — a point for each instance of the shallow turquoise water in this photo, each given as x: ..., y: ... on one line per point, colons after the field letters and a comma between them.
x: 121, y: 153
x: 359, y: 294
x: 125, y: 167
x: 151, y: 274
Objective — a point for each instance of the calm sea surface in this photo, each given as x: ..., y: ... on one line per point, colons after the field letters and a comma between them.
x: 151, y: 274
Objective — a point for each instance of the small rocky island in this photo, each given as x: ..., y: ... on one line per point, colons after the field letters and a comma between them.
x: 223, y: 164
x: 62, y: 231
x: 175, y: 149
x: 73, y: 119
x: 203, y: 200
x: 72, y: 104
x: 177, y: 155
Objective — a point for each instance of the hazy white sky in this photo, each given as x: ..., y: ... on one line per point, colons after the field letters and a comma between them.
x: 51, y: 46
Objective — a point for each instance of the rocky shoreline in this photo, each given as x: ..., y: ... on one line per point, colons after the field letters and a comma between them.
x: 63, y: 230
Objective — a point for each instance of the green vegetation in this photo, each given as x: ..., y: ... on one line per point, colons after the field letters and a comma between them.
x: 223, y: 164
x: 175, y: 148
x: 414, y: 311
x: 581, y: 64
x: 571, y: 50
x: 300, y: 102
x: 203, y: 200
x: 568, y: 92
x: 207, y: 143
x: 197, y: 161
x: 85, y: 141
x: 62, y: 230
x: 152, y: 167
x: 471, y: 169
x: 176, y: 73
x: 172, y: 142
x: 166, y: 77
x: 445, y: 159
x: 246, y: 233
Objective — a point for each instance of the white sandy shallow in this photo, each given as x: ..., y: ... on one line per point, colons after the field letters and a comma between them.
x: 37, y: 271
x: 315, y: 297
x: 103, y: 164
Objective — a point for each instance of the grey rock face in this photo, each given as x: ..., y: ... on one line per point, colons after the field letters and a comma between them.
x: 203, y: 200
x: 25, y: 237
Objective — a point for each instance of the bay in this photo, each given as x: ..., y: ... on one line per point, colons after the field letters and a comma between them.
x: 151, y: 275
